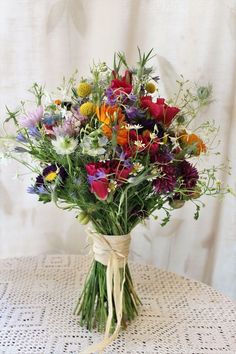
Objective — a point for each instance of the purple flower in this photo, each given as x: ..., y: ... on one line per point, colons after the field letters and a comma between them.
x: 21, y: 138
x: 37, y: 190
x: 132, y: 98
x: 111, y: 98
x: 131, y: 112
x: 31, y: 190
x: 32, y: 118
x: 189, y: 174
x: 34, y: 132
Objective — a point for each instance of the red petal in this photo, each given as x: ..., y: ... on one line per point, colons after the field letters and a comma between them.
x: 100, y: 188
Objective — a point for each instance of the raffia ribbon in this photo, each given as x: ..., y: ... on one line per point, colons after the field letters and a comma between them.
x: 113, y: 252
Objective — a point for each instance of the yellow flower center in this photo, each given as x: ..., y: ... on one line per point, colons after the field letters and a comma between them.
x: 51, y: 176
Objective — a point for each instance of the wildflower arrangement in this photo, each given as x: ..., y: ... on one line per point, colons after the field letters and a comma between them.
x: 111, y: 148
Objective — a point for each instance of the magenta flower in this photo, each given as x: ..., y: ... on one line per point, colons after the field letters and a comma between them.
x: 97, y: 178
x: 32, y: 118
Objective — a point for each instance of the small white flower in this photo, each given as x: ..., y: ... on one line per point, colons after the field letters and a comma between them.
x: 153, y: 136
x: 137, y: 167
x: 132, y: 126
x: 64, y: 145
x: 139, y: 144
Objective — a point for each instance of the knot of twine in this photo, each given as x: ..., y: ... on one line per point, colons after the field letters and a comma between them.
x: 106, y: 246
x: 113, y: 252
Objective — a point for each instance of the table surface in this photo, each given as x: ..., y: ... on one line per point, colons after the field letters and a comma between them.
x: 178, y: 316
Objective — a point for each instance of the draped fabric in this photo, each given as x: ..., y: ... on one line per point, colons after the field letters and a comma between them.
x: 45, y: 40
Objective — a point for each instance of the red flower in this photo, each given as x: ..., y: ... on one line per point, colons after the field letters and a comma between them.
x: 159, y: 109
x: 100, y: 172
x: 147, y: 145
x: 97, y: 178
x: 123, y: 85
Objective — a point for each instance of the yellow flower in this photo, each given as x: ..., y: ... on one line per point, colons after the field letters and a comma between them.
x: 87, y: 108
x: 150, y: 87
x: 84, y: 89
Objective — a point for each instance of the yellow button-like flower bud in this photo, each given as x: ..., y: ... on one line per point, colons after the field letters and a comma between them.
x: 84, y: 89
x: 150, y: 87
x: 87, y: 108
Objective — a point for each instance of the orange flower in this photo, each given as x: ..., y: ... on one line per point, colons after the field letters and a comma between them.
x: 112, y: 117
x: 193, y: 139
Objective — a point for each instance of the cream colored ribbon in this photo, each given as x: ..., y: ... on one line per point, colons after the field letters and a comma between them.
x: 113, y: 252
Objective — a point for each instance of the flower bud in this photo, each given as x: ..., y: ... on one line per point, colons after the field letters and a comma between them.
x: 83, y: 218
x: 176, y: 203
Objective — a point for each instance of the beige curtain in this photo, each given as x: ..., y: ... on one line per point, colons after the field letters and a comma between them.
x: 42, y: 40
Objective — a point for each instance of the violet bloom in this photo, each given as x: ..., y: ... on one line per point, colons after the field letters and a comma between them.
x: 131, y: 112
x: 21, y: 138
x: 111, y: 98
x: 34, y: 132
x: 132, y: 98
x: 32, y: 118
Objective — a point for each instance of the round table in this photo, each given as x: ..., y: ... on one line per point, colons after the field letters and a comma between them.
x: 178, y: 316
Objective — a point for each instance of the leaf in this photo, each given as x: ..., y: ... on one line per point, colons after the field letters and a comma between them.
x: 55, y: 14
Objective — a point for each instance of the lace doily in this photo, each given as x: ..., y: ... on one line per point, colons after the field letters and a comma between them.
x: 178, y: 316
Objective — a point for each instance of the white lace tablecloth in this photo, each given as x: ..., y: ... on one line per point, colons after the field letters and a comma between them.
x: 178, y: 316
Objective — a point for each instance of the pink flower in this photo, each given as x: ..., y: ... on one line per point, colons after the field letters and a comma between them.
x: 32, y: 118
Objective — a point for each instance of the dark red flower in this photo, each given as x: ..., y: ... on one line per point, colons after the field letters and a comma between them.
x: 159, y: 109
x: 189, y: 175
x: 166, y: 182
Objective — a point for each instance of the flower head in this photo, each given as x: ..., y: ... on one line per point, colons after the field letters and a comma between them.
x: 189, y: 175
x: 150, y: 87
x: 32, y: 118
x: 84, y: 89
x: 87, y: 108
x: 64, y: 145
x: 194, y: 142
x: 159, y: 109
x: 113, y: 123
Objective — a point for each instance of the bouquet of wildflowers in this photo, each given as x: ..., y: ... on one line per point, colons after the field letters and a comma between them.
x: 111, y: 148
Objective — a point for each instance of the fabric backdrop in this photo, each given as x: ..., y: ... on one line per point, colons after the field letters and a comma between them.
x: 42, y: 40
